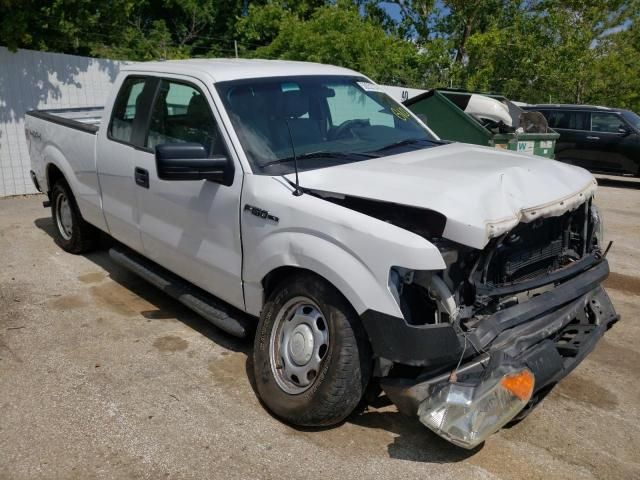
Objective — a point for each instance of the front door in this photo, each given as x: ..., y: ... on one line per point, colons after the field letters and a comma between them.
x: 190, y: 227
x: 613, y: 143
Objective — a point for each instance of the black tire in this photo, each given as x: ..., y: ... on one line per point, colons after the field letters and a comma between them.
x: 71, y: 231
x: 345, y: 368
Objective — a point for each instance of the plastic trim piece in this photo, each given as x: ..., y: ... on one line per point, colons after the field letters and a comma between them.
x: 491, y: 327
x: 49, y: 116
x: 222, y: 316
x: 420, y: 345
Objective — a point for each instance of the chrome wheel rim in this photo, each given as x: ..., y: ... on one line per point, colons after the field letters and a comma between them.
x: 64, y: 218
x: 299, y: 344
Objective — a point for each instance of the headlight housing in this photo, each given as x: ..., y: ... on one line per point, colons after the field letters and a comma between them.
x: 466, y: 414
x: 597, y: 227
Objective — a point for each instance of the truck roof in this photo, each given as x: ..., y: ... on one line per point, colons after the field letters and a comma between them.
x: 223, y: 69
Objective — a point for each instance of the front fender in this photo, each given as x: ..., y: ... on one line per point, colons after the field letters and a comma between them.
x: 351, y: 250
x: 339, y: 267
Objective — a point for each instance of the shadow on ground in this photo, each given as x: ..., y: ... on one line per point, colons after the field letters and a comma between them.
x: 619, y: 182
x: 165, y: 306
x: 412, y: 441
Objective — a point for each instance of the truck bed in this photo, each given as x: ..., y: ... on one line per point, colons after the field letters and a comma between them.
x: 66, y: 138
x: 85, y: 118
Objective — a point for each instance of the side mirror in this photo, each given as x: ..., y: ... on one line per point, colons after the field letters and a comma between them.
x: 624, y: 130
x: 190, y: 161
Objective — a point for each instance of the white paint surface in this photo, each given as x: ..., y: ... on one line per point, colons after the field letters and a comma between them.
x: 482, y: 191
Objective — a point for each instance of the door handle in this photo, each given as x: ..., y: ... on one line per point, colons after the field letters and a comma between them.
x: 142, y: 177
x: 592, y: 138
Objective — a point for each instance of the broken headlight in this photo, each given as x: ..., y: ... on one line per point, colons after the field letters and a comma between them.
x: 597, y: 227
x: 466, y: 414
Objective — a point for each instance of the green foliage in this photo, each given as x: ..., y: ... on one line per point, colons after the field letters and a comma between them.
x: 573, y: 52
x: 122, y: 29
x: 262, y: 23
x: 531, y: 50
x: 70, y: 26
x: 337, y: 34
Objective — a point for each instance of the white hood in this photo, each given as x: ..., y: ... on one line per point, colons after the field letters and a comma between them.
x: 483, y: 192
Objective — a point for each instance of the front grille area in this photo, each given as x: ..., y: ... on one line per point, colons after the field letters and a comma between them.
x: 536, y: 248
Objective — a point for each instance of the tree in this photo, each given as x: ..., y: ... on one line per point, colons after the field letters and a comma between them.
x: 69, y: 26
x: 262, y: 24
x: 532, y: 50
x: 550, y: 51
x: 123, y: 29
x: 339, y: 35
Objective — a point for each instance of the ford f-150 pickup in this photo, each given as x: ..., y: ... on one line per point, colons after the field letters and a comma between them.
x: 300, y: 203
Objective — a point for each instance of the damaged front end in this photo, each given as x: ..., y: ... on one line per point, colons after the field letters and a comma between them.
x: 484, y: 340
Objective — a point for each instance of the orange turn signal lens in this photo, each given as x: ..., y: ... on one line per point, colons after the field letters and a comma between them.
x: 519, y: 384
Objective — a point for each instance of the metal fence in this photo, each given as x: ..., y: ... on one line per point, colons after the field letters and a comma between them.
x: 38, y: 80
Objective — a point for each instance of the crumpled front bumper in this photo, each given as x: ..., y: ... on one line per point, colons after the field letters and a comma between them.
x: 562, y: 328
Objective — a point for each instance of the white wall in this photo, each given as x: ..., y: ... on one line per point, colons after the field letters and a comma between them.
x: 41, y: 80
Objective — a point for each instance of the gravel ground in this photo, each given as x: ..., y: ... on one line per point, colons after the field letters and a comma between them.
x: 101, y: 376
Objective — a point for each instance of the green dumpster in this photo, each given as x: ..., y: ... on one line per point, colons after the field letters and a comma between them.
x: 445, y: 115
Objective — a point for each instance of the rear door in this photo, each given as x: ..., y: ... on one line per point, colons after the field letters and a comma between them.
x: 116, y: 150
x: 191, y: 227
x: 612, y: 142
x: 573, y: 127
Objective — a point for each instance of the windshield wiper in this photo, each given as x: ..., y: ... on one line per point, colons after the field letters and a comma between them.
x: 329, y: 155
x: 407, y: 141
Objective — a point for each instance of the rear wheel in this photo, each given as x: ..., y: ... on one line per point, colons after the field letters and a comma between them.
x: 72, y: 233
x: 312, y: 359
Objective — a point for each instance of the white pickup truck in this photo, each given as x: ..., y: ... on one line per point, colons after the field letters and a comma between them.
x: 463, y: 281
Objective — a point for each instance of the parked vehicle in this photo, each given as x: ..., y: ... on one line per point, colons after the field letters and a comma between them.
x: 597, y: 138
x: 484, y: 119
x: 463, y: 280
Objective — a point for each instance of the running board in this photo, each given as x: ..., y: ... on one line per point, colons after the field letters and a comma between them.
x: 196, y: 299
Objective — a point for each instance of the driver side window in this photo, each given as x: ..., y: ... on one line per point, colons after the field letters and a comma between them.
x: 606, y: 122
x: 181, y: 114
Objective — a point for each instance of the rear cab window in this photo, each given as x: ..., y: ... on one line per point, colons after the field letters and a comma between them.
x: 128, y: 117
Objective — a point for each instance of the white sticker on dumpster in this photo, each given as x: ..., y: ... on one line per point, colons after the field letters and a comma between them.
x: 546, y: 144
x: 525, y: 147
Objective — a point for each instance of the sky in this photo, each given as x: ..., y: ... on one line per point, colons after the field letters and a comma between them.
x: 392, y: 9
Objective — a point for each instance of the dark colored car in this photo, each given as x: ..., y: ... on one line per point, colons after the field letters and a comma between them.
x: 596, y: 138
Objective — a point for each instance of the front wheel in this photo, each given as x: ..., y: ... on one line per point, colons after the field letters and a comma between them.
x: 312, y: 359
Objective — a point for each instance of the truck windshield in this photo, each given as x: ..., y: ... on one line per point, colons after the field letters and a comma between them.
x: 327, y: 120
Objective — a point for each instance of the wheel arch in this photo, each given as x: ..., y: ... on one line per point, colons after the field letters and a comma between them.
x: 53, y: 174
x: 57, y: 166
x: 273, y: 278
x: 278, y: 274
x: 337, y: 266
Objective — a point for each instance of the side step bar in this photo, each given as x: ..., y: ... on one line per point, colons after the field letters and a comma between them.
x: 196, y: 299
